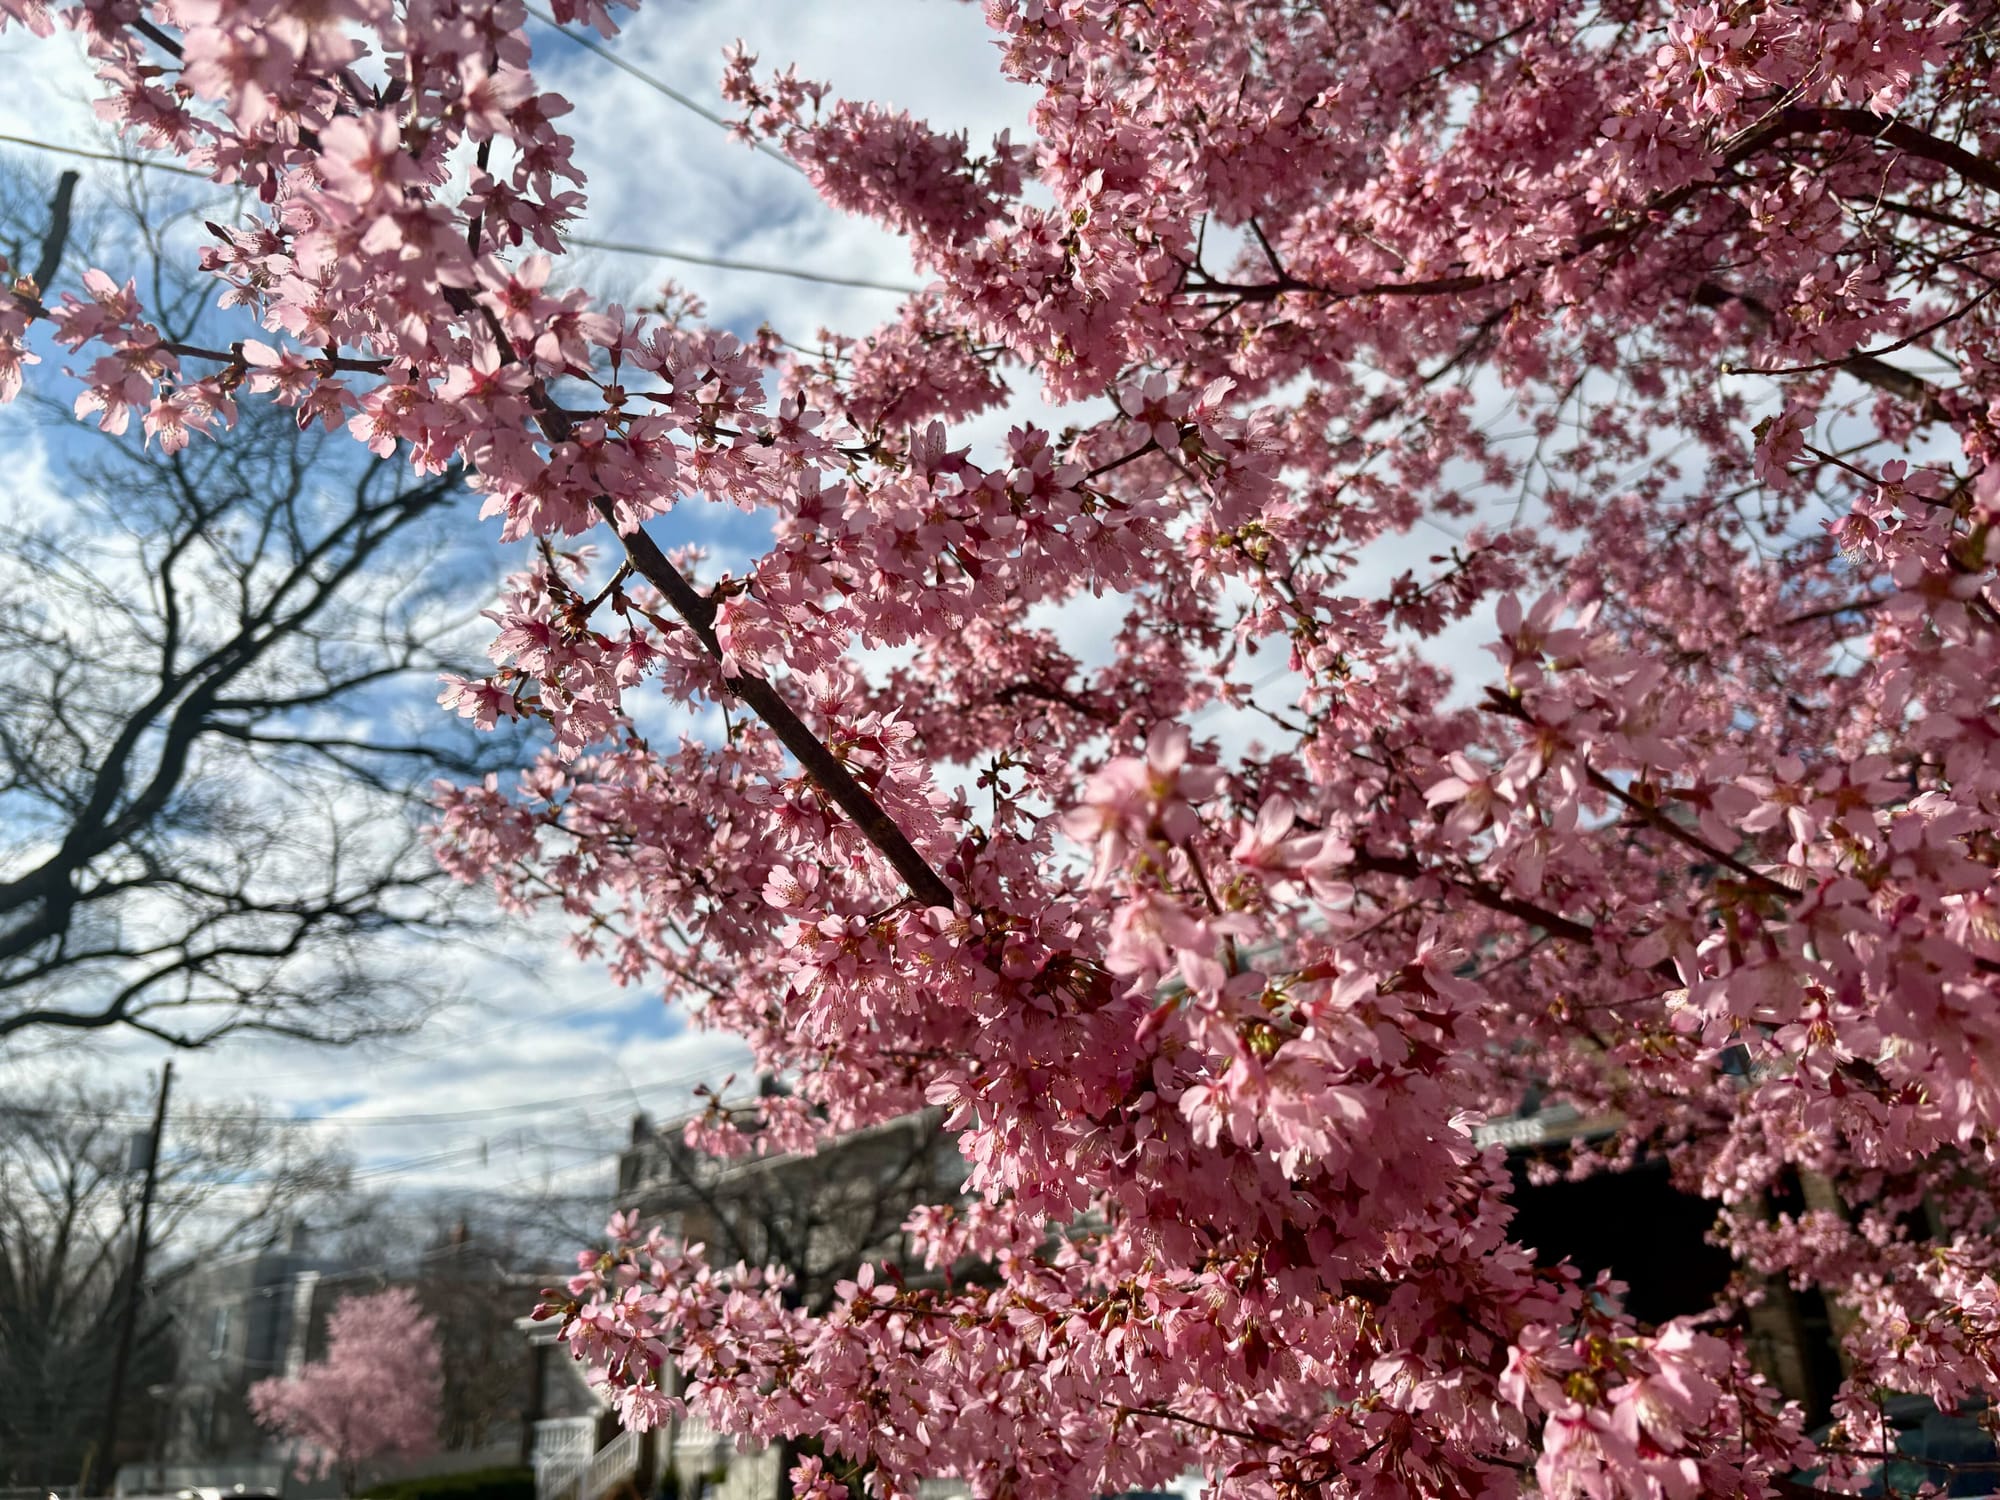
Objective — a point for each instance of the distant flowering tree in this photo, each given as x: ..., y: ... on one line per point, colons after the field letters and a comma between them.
x: 374, y: 1394
x: 1678, y: 319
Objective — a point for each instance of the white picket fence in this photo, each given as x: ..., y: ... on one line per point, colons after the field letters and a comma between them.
x: 610, y: 1466
x: 562, y: 1454
x: 566, y: 1468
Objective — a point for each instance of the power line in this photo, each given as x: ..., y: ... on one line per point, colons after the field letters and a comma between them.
x: 482, y: 1151
x: 123, y: 161
x: 568, y: 1010
x: 484, y: 1154
x: 1216, y: 705
x: 615, y: 247
x: 428, y: 1162
x: 498, y: 1111
x: 620, y: 247
x: 658, y: 85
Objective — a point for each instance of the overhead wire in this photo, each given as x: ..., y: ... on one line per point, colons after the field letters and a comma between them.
x: 440, y: 1117
x: 658, y: 85
x: 695, y: 106
x: 484, y: 1150
x: 614, y: 247
x: 721, y: 263
x: 501, y: 1111
x: 425, y: 1162
x: 1216, y: 705
x: 508, y: 1025
x: 123, y: 161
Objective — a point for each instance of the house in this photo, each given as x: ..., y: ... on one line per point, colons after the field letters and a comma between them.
x: 235, y: 1321
x: 822, y: 1214
x: 244, y: 1318
x: 819, y: 1214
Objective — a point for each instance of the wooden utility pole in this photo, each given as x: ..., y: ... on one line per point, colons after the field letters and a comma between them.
x: 105, y: 1464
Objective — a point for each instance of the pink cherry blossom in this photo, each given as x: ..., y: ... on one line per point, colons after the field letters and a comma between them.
x: 1656, y: 346
x: 374, y: 1394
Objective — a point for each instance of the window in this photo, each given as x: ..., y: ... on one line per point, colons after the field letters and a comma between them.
x: 218, y: 1332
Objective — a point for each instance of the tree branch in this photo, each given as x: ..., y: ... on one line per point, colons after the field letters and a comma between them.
x: 1866, y: 368
x: 58, y: 236
x: 818, y: 762
x: 1904, y: 137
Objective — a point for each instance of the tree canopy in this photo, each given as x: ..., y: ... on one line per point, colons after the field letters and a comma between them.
x: 375, y: 1393
x: 1674, y: 321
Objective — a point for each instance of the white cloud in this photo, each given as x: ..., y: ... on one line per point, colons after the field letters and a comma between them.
x: 535, y: 1070
x: 662, y: 175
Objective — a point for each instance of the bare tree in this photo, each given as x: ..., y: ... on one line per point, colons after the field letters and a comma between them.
x: 819, y: 1216
x: 218, y: 727
x: 475, y: 1285
x: 227, y: 1181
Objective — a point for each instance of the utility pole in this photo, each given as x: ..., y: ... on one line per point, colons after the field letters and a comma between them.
x: 106, y: 1461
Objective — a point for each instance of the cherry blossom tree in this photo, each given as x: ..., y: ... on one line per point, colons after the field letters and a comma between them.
x: 374, y: 1394
x: 1675, y: 320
